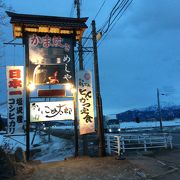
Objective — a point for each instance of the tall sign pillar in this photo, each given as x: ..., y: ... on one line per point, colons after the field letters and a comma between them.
x: 49, y: 50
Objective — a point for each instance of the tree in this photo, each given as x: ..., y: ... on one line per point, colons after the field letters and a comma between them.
x: 3, y: 22
x: 3, y: 17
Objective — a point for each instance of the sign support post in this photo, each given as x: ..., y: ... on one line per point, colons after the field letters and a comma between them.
x: 75, y: 127
x: 27, y: 127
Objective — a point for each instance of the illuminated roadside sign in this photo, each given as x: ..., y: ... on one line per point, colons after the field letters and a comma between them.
x: 85, y: 102
x: 51, y: 111
x: 15, y: 85
x: 51, y: 59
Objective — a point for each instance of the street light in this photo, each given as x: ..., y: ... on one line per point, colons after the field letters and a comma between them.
x: 73, y: 90
x: 31, y: 86
x: 68, y: 86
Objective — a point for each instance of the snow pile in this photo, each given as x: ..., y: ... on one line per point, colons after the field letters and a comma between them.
x: 10, y: 143
x: 54, y: 150
x: 46, y: 150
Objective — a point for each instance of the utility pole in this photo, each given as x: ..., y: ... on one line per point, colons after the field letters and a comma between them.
x: 159, y: 110
x: 81, y: 67
x: 99, y: 110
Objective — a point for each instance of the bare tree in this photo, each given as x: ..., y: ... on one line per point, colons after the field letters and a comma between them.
x: 3, y: 20
x: 3, y: 15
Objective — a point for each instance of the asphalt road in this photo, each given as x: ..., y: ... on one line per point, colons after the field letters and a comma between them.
x: 159, y: 164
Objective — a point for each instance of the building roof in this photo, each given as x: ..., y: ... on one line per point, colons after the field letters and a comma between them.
x: 36, y: 21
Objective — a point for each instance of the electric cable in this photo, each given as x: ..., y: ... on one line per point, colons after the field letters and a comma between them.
x: 114, y: 23
x: 110, y: 16
x: 122, y: 10
x: 72, y: 10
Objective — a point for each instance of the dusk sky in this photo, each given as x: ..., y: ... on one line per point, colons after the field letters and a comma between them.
x: 140, y: 54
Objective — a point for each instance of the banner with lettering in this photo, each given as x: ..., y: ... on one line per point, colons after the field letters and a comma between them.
x: 51, y: 111
x: 51, y: 59
x: 85, y: 102
x: 15, y: 86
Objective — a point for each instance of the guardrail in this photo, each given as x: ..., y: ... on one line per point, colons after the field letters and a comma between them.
x: 117, y: 143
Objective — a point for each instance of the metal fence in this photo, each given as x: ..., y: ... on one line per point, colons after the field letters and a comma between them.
x: 122, y: 142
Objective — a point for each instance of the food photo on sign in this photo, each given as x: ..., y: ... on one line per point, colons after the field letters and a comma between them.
x: 50, y: 59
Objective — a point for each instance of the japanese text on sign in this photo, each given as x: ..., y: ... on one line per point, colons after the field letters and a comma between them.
x: 15, y: 85
x: 85, y: 102
x: 51, y: 59
x: 47, y: 41
x: 48, y: 111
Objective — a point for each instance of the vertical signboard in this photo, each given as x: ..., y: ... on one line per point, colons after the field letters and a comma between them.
x: 51, y: 59
x: 85, y: 102
x: 15, y: 86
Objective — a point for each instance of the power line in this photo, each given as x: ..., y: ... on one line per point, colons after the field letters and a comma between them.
x: 88, y: 37
x: 72, y: 10
x: 122, y: 12
x: 98, y: 12
x: 110, y: 16
x: 116, y: 13
x: 100, y: 9
x: 122, y: 8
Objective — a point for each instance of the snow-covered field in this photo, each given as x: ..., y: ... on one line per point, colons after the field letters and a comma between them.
x: 60, y: 148
x: 151, y: 124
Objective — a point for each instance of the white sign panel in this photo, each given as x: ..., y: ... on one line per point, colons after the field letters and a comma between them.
x: 85, y: 102
x: 50, y: 111
x: 15, y: 86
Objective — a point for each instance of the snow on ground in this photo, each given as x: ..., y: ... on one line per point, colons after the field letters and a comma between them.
x: 54, y: 150
x: 151, y: 124
x: 10, y: 143
x: 124, y: 125
x: 60, y: 148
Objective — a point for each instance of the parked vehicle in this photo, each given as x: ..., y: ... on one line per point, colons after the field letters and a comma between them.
x: 112, y: 126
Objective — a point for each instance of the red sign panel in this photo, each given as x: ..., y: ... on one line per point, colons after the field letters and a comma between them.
x: 51, y: 93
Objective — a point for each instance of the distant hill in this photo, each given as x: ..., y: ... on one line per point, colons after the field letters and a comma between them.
x: 149, y: 114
